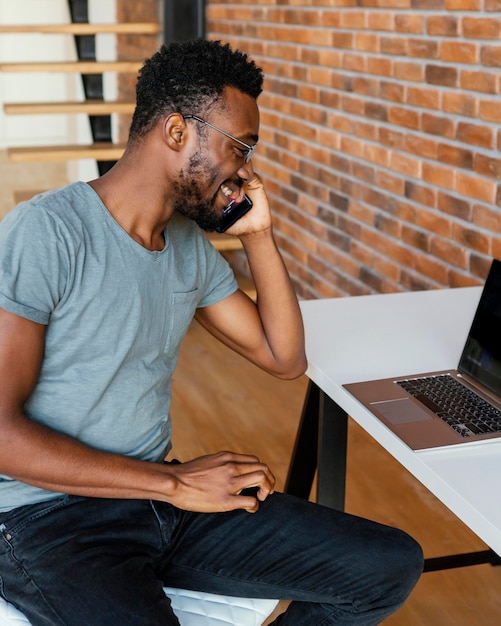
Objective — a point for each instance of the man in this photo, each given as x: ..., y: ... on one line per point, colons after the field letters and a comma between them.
x: 98, y: 285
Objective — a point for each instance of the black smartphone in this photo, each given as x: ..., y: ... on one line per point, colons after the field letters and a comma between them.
x: 233, y: 212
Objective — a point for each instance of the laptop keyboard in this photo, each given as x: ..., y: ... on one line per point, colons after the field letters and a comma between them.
x: 457, y: 406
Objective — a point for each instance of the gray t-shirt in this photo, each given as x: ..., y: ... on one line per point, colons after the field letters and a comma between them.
x: 115, y: 315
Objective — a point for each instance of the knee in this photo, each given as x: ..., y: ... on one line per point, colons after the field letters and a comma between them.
x: 403, y: 565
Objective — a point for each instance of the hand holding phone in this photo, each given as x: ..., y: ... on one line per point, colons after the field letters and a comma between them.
x: 233, y: 212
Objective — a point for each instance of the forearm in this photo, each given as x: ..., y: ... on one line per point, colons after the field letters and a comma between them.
x: 277, y: 302
x: 44, y: 458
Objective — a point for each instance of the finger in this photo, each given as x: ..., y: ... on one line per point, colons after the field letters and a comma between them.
x: 248, y: 502
x: 262, y: 483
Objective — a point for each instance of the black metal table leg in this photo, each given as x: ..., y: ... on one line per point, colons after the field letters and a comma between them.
x: 305, y: 455
x: 321, y: 442
x: 332, y: 450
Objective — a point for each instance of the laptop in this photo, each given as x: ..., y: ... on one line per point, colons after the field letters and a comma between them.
x: 450, y: 407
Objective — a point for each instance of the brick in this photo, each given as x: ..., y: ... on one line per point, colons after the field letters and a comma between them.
x: 421, y: 146
x: 478, y: 81
x: 394, y: 45
x: 453, y: 155
x: 423, y: 48
x: 441, y: 75
x: 364, y: 172
x: 409, y: 71
x: 393, y: 184
x: 392, y: 138
x: 480, y: 265
x: 411, y: 281
x: 496, y: 248
x: 376, y: 111
x: 488, y: 166
x: 450, y: 252
x: 442, y: 25
x: 401, y: 116
x: 367, y: 42
x: 463, y: 5
x: 407, y: 23
x: 427, y: 5
x: 476, y: 187
x: 433, y: 268
x: 475, y: 134
x: 490, y: 110
x: 388, y: 225
x: 434, y: 222
x: 436, y: 125
x: 382, y: 20
x: 394, y: 92
x: 458, y: 279
x: 420, y: 193
x: 416, y: 238
x: 377, y: 154
x: 355, y: 20
x: 459, y: 52
x: 367, y: 130
x: 481, y: 28
x: 380, y: 66
x: 353, y: 105
x: 452, y: 205
x: 471, y: 239
x: 423, y: 97
x: 439, y: 176
x: 406, y: 165
x: 354, y: 62
x: 486, y: 217
x: 491, y: 56
x: 460, y: 104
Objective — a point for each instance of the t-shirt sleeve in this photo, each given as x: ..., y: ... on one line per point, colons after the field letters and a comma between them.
x: 220, y: 279
x: 33, y: 267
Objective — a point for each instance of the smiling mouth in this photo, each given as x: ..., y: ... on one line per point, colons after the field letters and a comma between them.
x: 232, y: 192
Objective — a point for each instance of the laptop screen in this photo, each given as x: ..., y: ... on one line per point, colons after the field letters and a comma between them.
x: 481, y: 357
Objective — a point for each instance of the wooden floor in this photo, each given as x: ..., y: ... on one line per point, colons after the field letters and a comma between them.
x: 222, y: 402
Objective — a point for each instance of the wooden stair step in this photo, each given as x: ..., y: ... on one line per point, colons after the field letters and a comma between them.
x: 224, y: 242
x: 80, y: 67
x: 124, y: 28
x: 102, y: 151
x: 246, y: 285
x: 90, y: 107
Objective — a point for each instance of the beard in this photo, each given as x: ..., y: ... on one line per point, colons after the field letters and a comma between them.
x: 191, y: 201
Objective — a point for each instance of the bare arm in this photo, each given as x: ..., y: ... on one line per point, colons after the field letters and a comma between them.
x: 42, y: 457
x: 269, y: 332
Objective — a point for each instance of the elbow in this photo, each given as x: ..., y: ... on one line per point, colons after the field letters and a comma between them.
x: 292, y: 370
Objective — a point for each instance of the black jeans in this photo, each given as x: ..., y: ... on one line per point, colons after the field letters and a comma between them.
x: 93, y: 562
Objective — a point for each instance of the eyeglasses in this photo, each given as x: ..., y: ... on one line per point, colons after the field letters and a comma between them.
x: 249, y: 149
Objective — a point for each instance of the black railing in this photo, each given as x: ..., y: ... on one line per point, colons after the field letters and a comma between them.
x: 183, y: 19
x: 100, y: 125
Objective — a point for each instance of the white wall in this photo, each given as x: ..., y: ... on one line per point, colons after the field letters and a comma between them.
x: 23, y: 130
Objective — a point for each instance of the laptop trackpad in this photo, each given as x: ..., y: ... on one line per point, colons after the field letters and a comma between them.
x: 402, y: 411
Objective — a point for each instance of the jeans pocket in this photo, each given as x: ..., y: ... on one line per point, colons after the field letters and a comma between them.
x: 13, y: 522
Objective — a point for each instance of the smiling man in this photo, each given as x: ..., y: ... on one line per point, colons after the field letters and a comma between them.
x: 99, y: 283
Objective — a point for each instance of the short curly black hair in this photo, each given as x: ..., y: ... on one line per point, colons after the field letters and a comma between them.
x: 188, y: 77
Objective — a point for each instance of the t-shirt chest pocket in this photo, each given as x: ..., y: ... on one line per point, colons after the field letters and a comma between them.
x: 180, y: 315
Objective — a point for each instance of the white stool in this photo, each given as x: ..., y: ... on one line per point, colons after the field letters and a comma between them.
x: 192, y: 608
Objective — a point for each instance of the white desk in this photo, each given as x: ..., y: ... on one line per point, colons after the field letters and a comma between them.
x: 368, y: 337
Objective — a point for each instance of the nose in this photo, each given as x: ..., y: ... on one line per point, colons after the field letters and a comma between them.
x: 246, y: 172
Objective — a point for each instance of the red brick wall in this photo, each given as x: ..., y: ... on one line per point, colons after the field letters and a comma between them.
x: 379, y: 139
x: 133, y: 47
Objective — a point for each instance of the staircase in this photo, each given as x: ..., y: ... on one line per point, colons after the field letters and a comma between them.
x: 103, y: 149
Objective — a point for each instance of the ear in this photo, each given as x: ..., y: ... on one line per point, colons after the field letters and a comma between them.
x: 175, y: 131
